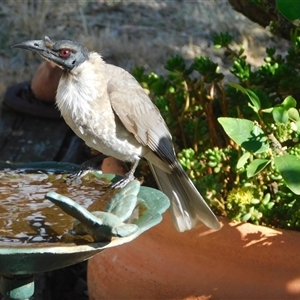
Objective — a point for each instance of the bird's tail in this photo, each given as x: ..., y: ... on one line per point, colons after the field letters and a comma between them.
x: 187, y: 205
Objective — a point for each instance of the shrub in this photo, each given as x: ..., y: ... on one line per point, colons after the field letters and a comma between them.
x: 238, y: 142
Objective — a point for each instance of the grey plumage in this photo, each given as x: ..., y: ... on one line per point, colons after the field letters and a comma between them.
x: 110, y: 111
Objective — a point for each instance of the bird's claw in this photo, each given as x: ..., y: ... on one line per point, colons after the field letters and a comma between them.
x: 124, y: 181
x: 87, y: 167
x: 76, y: 177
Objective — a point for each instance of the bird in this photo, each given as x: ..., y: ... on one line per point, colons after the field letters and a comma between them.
x: 110, y: 111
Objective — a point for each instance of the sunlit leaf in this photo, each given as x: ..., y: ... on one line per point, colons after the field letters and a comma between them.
x: 246, y: 217
x: 280, y: 114
x: 289, y: 168
x: 246, y: 134
x: 298, y: 126
x: 289, y: 102
x: 293, y: 114
x: 256, y: 166
x: 243, y: 160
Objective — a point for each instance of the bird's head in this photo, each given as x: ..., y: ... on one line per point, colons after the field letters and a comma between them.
x: 64, y: 53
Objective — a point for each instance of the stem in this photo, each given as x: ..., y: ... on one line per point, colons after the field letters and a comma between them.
x: 185, y: 109
x: 275, y: 145
x: 222, y: 94
x: 195, y: 146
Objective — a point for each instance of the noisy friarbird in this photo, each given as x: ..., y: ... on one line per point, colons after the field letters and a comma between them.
x: 107, y: 108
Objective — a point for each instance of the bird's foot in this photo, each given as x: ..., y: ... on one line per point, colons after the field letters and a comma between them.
x: 128, y: 177
x: 124, y: 181
x: 78, y: 175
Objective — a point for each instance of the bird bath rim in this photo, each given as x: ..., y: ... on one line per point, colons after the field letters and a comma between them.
x: 18, y: 259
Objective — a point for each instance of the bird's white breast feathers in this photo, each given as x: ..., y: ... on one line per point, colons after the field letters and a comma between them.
x: 84, y: 103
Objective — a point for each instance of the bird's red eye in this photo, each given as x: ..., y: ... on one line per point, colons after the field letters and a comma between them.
x: 64, y: 53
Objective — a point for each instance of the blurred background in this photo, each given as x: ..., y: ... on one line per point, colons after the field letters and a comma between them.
x: 126, y: 33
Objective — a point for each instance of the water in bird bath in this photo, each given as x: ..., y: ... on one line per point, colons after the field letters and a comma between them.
x: 26, y: 217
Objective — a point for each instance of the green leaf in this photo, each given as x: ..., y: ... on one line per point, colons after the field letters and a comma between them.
x: 267, y: 110
x: 298, y: 126
x: 256, y: 166
x: 293, y: 114
x: 280, y: 114
x: 221, y: 40
x: 290, y: 9
x: 243, y: 160
x: 246, y: 217
x: 246, y: 134
x: 218, y: 46
x: 254, y: 100
x: 255, y: 201
x: 266, y: 199
x: 289, y: 168
x: 175, y: 63
x: 252, y: 96
x: 289, y: 102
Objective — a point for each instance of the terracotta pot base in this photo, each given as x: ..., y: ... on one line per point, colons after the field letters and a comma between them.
x: 241, y: 261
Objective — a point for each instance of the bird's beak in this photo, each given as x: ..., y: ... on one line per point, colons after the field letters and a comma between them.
x: 37, y: 46
x: 43, y: 48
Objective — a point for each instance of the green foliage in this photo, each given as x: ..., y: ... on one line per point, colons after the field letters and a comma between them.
x: 255, y: 141
x: 221, y: 40
x: 238, y: 142
x: 290, y: 9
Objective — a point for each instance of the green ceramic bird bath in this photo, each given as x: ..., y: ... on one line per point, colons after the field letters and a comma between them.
x: 39, y: 234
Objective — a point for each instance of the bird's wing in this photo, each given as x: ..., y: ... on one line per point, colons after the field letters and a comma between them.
x: 139, y: 115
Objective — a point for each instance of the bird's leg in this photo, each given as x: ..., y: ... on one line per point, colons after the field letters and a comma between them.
x: 88, y: 166
x: 128, y: 177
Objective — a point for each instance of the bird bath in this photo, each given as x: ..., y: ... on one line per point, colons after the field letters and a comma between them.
x: 36, y: 235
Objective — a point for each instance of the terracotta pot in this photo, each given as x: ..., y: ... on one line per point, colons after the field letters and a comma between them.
x: 45, y: 81
x: 112, y: 165
x: 241, y: 261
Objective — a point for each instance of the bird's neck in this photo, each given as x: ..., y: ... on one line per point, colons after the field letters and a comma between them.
x: 78, y: 89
